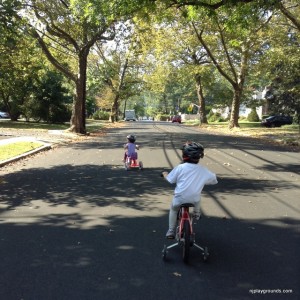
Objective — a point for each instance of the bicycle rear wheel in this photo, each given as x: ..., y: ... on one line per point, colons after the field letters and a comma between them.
x: 186, y: 241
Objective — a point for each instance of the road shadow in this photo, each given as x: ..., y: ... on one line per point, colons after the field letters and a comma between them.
x: 54, y: 258
x: 105, y: 185
x: 69, y: 185
x: 64, y: 256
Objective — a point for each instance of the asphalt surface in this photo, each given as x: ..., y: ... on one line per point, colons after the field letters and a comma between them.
x: 76, y: 225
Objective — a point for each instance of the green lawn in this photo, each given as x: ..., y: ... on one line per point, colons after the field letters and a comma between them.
x: 14, y: 149
x: 20, y: 124
x: 246, y: 125
x: 32, y: 125
x: 287, y: 134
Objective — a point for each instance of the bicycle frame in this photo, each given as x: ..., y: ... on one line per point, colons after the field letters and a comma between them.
x: 185, y: 236
x: 184, y: 215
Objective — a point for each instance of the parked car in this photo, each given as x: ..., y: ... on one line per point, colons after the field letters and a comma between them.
x: 277, y: 121
x: 176, y: 119
x: 4, y: 115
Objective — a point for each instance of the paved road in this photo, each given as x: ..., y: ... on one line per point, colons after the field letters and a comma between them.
x: 76, y: 225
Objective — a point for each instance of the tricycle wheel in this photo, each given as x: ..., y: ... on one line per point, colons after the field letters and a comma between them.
x: 140, y: 165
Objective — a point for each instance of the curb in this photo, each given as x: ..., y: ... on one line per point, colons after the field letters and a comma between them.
x: 45, y: 147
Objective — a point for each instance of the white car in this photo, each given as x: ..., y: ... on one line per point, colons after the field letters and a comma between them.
x: 4, y: 114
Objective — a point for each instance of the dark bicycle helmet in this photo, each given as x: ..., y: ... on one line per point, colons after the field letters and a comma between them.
x: 131, y: 138
x: 192, y: 152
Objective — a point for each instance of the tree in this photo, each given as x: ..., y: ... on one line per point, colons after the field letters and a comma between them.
x: 232, y: 40
x: 289, y: 8
x: 66, y: 32
x: 166, y: 55
x: 118, y: 67
x: 280, y: 68
x: 185, y: 52
x: 20, y: 63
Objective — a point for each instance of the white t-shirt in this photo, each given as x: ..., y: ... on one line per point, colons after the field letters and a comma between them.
x: 190, y: 180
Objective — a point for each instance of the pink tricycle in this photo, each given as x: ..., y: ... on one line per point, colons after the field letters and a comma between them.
x: 132, y: 162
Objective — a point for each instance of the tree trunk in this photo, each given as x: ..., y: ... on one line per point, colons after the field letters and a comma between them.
x: 114, y: 117
x: 125, y: 105
x: 78, y: 111
x: 235, y: 108
x: 199, y: 88
x: 114, y: 109
x: 165, y: 103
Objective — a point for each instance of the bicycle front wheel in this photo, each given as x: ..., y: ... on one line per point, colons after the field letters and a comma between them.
x: 186, y: 241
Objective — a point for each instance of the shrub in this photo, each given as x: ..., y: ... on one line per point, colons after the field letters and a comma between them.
x: 59, y: 114
x: 101, y: 115
x: 253, y: 116
x: 161, y: 117
x: 215, y: 117
x: 210, y: 114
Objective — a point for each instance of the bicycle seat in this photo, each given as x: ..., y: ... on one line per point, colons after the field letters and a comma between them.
x: 187, y: 205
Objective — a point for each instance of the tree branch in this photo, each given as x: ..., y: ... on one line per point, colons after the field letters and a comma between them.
x: 51, y: 58
x: 62, y: 35
x: 290, y: 16
x: 210, y: 54
x: 213, y: 6
x: 226, y: 53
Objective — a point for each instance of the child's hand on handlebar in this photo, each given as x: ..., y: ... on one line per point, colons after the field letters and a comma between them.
x: 164, y: 174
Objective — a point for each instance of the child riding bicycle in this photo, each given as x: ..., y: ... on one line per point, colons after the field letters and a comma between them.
x: 190, y: 179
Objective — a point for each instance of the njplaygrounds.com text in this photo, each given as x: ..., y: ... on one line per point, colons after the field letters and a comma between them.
x: 269, y: 291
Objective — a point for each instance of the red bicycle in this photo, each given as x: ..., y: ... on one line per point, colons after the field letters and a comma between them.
x: 185, y: 235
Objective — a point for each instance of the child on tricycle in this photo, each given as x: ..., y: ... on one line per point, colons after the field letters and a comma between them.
x: 131, y: 156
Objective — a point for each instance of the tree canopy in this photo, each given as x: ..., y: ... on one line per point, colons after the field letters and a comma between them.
x: 177, y: 51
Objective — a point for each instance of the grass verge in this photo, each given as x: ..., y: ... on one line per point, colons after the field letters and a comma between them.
x: 32, y: 125
x: 8, y: 151
x: 287, y: 134
x: 92, y: 125
x: 15, y: 149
